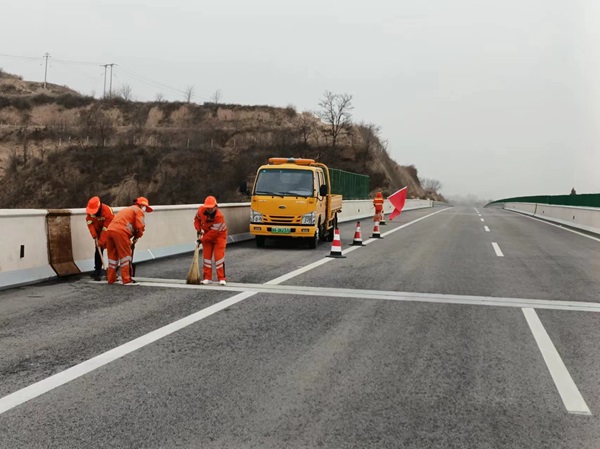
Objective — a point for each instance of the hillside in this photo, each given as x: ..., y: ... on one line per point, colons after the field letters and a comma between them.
x: 58, y: 148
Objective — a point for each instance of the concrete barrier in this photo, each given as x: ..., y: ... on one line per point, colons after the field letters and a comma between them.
x: 585, y: 218
x: 169, y: 231
x: 23, y: 247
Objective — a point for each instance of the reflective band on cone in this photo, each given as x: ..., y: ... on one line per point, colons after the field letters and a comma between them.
x: 382, y: 222
x: 376, y: 234
x: 357, y: 238
x: 336, y: 246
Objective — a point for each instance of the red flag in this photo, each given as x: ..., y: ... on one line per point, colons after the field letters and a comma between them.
x: 397, y: 199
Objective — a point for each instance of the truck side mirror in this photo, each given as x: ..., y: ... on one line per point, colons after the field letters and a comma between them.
x: 244, y: 188
x: 323, y: 190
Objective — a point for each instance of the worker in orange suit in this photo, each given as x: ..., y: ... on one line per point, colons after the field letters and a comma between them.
x: 125, y: 230
x: 378, y: 203
x: 212, y: 234
x: 98, y: 218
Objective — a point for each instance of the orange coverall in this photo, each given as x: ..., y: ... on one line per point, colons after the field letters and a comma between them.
x: 378, y: 203
x: 128, y: 223
x: 98, y: 225
x: 213, y: 241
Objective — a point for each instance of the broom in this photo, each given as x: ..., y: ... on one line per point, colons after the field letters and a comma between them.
x: 193, y: 276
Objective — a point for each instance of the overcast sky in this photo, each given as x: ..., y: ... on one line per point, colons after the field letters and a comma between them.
x: 491, y: 98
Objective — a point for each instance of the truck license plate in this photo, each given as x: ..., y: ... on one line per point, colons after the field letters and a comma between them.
x: 281, y: 230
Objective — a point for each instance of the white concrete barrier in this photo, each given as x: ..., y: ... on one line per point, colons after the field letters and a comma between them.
x: 169, y: 231
x: 23, y: 247
x: 585, y: 218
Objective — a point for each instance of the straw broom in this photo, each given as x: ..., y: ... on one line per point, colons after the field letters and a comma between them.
x: 193, y: 276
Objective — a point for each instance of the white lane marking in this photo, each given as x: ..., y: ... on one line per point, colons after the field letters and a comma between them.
x: 34, y: 390
x: 571, y: 397
x: 482, y: 219
x: 497, y: 249
x: 560, y: 227
x: 52, y: 382
x: 345, y: 293
x: 486, y: 229
x: 476, y: 210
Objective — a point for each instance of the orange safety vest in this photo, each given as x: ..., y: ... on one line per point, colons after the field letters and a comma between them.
x: 378, y: 202
x: 130, y: 221
x: 98, y: 223
x: 214, y: 226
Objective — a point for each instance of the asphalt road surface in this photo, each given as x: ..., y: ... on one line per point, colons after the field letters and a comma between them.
x: 461, y: 328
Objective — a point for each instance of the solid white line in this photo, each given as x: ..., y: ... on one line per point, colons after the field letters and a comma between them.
x: 403, y: 226
x: 571, y: 397
x: 497, y: 249
x: 486, y: 229
x: 44, y: 386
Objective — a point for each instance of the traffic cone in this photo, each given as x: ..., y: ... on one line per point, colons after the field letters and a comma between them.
x: 376, y: 234
x: 357, y: 238
x: 336, y: 246
x: 382, y: 221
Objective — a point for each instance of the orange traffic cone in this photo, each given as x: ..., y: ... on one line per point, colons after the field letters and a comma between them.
x: 357, y: 238
x: 336, y: 246
x: 376, y: 234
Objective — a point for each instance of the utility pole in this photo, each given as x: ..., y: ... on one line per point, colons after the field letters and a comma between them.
x: 46, y: 56
x: 104, y: 91
x: 110, y: 88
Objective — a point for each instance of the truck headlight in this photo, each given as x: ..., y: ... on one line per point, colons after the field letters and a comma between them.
x: 255, y: 217
x: 309, y: 219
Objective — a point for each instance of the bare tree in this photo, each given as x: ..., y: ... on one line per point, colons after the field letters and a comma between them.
x: 125, y: 92
x: 188, y: 93
x: 336, y: 113
x: 159, y: 98
x: 216, y: 97
x: 304, y: 124
x: 431, y: 185
x: 365, y: 140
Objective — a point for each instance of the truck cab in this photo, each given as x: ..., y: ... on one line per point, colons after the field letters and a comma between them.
x: 292, y: 198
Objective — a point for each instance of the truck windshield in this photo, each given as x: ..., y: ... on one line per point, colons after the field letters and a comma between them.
x: 282, y: 182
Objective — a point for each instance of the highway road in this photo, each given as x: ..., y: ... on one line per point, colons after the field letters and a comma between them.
x: 461, y: 328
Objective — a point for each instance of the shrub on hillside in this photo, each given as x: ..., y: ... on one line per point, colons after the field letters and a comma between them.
x: 70, y: 101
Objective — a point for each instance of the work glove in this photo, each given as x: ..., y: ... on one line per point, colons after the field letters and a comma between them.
x: 199, y: 234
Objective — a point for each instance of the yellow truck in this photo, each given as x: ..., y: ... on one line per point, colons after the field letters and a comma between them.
x: 292, y: 198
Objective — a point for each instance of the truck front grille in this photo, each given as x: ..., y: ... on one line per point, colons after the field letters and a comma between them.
x: 282, y: 219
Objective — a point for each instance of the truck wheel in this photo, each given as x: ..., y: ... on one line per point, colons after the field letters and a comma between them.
x: 331, y: 232
x: 260, y: 241
x: 312, y: 242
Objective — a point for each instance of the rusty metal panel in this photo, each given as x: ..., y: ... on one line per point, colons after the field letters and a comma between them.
x: 60, y: 246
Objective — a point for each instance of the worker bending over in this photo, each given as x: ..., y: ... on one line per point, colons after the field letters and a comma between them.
x: 212, y: 234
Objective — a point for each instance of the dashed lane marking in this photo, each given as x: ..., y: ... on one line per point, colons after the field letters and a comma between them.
x: 486, y: 229
x: 497, y: 249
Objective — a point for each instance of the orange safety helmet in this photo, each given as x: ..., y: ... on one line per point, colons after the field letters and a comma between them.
x: 210, y: 201
x: 93, y: 205
x: 141, y: 201
x: 379, y: 195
